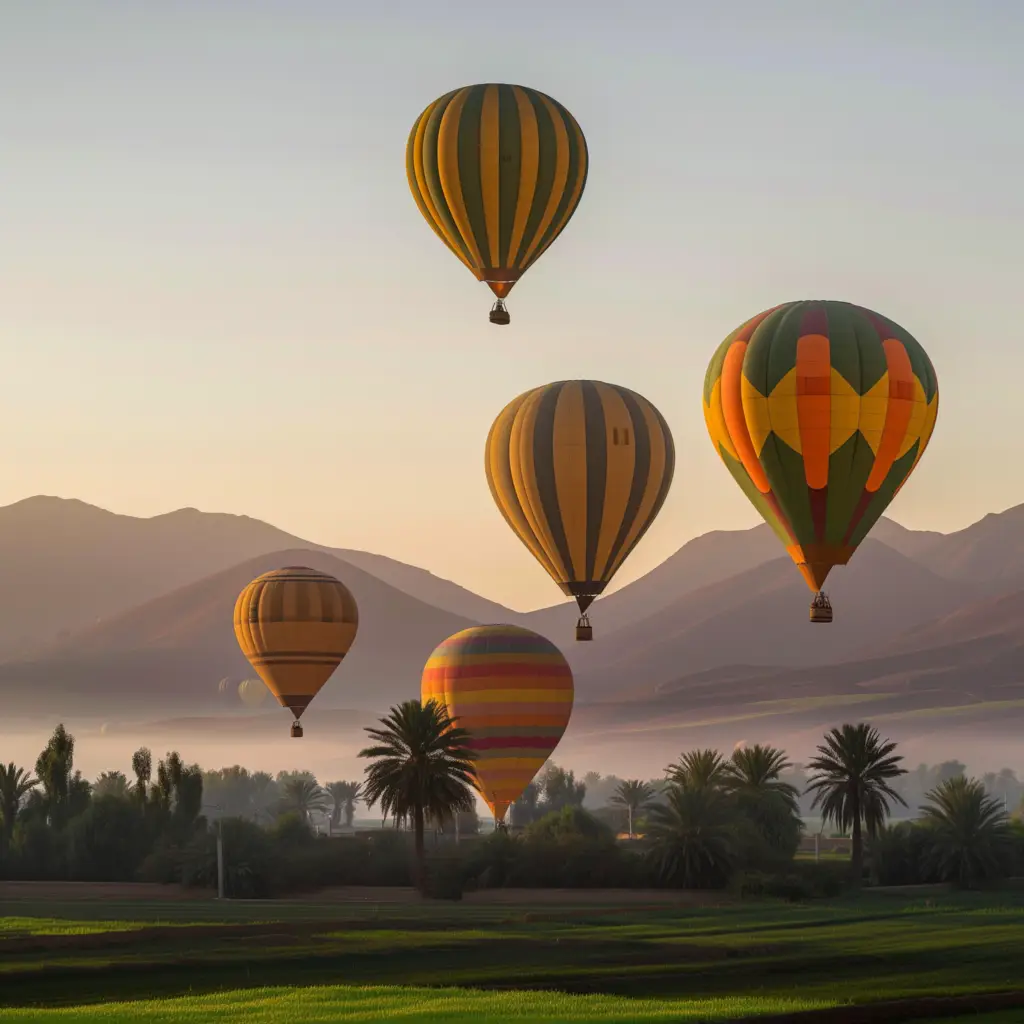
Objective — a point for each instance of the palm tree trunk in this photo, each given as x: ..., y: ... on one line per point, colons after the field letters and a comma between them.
x: 857, y: 847
x: 420, y: 846
x: 629, y: 811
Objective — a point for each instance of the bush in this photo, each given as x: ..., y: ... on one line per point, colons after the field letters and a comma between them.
x: 38, y: 852
x: 799, y: 883
x: 444, y: 878
x: 108, y: 841
x: 162, y: 864
x: 898, y: 856
x: 250, y: 860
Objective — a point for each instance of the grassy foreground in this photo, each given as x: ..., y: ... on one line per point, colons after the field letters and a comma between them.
x: 282, y: 962
x: 340, y: 1003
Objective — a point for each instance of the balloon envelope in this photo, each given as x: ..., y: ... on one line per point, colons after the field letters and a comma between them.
x: 512, y: 689
x: 253, y: 692
x: 820, y: 410
x: 579, y: 469
x: 497, y: 171
x: 295, y: 625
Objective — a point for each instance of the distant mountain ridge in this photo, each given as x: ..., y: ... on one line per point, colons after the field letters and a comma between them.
x: 105, y: 613
x: 67, y: 565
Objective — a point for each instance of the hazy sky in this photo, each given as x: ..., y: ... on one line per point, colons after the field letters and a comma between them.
x: 216, y: 290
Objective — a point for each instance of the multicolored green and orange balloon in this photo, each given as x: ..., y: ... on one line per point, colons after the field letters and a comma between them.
x: 820, y: 410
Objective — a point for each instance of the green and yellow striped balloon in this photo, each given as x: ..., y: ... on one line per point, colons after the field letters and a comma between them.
x: 496, y: 171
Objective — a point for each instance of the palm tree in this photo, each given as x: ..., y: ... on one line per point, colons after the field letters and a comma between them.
x: 15, y: 782
x: 698, y: 769
x: 752, y: 776
x: 850, y: 784
x: 302, y: 796
x: 345, y: 796
x: 692, y: 835
x: 111, y: 784
x: 969, y: 832
x: 422, y: 765
x: 634, y: 795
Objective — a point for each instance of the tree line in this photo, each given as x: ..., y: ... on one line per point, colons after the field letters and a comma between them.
x: 710, y: 821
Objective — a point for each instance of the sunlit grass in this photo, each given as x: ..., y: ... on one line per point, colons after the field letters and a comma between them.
x: 702, y: 961
x: 422, y: 1005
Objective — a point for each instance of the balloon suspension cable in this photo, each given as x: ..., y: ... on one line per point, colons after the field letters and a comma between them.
x: 499, y: 313
x: 821, y: 607
x: 584, y: 631
x: 296, y: 730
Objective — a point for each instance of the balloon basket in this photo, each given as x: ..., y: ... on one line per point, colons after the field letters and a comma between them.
x: 296, y: 731
x: 584, y: 631
x: 821, y: 608
x: 499, y: 314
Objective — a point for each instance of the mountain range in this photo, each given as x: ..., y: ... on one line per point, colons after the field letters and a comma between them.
x: 118, y: 617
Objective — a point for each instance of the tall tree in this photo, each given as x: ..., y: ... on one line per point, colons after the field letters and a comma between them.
x: 850, y: 783
x: 634, y: 795
x: 561, y: 789
x: 421, y: 764
x: 527, y: 808
x: 345, y: 796
x: 698, y: 769
x: 15, y: 784
x: 693, y: 836
x: 969, y: 832
x: 302, y: 796
x: 753, y: 776
x: 54, y: 769
x: 113, y: 784
x: 142, y: 767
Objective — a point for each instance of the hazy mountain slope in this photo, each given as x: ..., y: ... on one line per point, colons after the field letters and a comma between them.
x: 64, y: 565
x: 760, y: 617
x: 169, y: 653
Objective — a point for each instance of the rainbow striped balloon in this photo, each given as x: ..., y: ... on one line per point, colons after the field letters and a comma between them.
x: 512, y: 690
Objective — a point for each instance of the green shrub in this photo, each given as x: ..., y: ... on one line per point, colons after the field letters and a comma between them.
x: 444, y: 878
x: 108, y: 841
x: 800, y: 882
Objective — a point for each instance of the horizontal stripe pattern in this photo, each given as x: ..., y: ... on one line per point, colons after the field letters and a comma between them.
x: 497, y: 171
x: 579, y: 470
x: 516, y: 716
x: 820, y: 410
x: 295, y: 625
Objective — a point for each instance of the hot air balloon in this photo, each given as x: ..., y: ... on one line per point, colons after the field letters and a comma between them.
x: 579, y: 470
x: 295, y: 625
x: 497, y: 171
x: 512, y: 690
x: 820, y: 410
x: 252, y: 692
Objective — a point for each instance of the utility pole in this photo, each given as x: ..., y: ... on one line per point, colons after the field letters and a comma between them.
x: 220, y: 861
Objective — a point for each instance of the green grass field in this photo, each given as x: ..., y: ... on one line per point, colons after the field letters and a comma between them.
x: 306, y: 961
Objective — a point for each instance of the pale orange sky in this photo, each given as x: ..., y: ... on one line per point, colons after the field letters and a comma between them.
x: 216, y: 291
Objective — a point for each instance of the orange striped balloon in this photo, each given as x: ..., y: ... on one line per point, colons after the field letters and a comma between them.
x: 512, y: 690
x: 295, y: 625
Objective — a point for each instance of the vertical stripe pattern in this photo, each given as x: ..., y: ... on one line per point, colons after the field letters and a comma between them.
x: 820, y: 410
x: 512, y: 690
x: 579, y: 469
x: 497, y: 172
x: 295, y: 625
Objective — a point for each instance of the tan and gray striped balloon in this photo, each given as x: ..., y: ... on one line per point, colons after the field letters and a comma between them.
x: 579, y: 469
x: 295, y: 625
